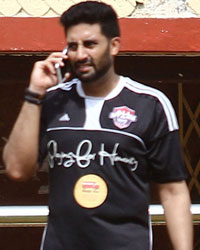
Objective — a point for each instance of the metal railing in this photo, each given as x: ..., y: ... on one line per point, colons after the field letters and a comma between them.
x: 36, y: 216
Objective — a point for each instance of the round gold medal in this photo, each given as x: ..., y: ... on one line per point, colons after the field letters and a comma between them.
x: 90, y: 191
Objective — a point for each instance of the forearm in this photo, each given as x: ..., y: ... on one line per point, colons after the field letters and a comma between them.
x: 179, y: 219
x: 21, y: 151
x: 179, y: 224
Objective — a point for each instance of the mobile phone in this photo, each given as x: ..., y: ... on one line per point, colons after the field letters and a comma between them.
x: 60, y: 71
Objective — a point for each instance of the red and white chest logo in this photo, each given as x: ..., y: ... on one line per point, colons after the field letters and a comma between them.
x: 123, y: 116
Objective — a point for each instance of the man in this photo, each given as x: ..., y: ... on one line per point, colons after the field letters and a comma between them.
x: 106, y: 137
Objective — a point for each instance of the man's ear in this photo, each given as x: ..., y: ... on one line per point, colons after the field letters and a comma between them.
x: 115, y: 46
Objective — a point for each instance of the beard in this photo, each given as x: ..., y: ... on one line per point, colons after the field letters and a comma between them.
x: 99, y: 69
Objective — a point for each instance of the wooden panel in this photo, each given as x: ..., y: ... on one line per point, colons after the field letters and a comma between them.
x: 150, y: 70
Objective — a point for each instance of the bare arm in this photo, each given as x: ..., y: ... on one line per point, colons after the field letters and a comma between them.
x: 176, y: 202
x: 21, y: 151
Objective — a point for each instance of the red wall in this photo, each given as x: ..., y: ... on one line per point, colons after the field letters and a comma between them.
x: 138, y: 35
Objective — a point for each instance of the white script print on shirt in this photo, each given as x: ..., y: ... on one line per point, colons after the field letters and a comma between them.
x: 83, y: 160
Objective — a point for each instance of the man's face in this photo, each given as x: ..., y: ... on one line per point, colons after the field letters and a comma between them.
x: 89, y: 51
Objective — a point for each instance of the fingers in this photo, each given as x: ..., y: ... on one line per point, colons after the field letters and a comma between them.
x: 57, y: 57
x: 44, y: 73
x: 50, y: 61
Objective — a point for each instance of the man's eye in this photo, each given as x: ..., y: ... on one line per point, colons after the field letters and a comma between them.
x: 72, y: 47
x: 89, y: 44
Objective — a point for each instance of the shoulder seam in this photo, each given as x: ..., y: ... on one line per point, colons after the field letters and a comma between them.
x: 161, y: 97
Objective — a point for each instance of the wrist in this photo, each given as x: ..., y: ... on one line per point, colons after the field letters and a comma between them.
x: 36, y: 90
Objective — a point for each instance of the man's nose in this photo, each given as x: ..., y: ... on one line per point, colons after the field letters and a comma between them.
x: 81, y: 53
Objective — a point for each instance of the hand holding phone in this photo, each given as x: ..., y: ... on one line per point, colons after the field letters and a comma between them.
x: 62, y: 70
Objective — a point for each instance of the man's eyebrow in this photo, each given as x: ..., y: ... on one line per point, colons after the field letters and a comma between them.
x: 71, y: 43
x: 90, y: 41
x: 84, y: 42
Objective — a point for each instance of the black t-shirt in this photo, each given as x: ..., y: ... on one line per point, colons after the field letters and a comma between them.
x: 102, y: 153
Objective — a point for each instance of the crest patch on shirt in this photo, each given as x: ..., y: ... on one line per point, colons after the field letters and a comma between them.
x: 123, y: 116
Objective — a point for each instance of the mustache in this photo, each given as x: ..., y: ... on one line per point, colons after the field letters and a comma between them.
x: 87, y: 61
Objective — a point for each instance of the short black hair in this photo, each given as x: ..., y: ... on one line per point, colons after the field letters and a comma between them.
x: 92, y: 12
